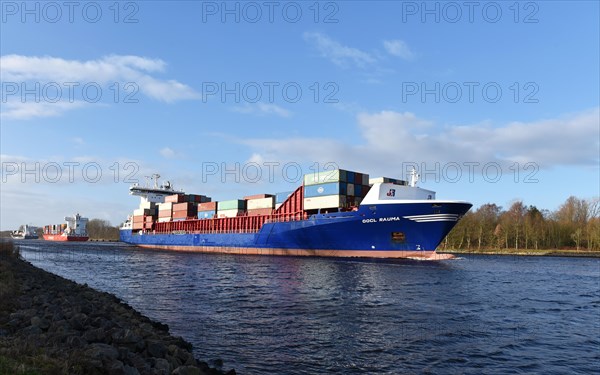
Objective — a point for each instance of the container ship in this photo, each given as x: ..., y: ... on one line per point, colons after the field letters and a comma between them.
x: 25, y: 232
x: 336, y: 213
x: 75, y: 229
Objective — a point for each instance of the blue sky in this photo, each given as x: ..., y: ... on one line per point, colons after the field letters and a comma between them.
x: 492, y: 101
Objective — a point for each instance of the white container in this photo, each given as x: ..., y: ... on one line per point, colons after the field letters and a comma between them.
x: 229, y: 213
x: 325, y: 177
x: 254, y: 204
x: 148, y: 205
x: 165, y: 206
x: 327, y: 201
x: 144, y: 211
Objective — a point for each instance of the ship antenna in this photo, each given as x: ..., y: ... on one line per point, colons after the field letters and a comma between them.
x: 155, y: 177
x: 414, y: 178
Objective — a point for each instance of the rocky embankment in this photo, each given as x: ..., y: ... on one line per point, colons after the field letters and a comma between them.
x: 50, y: 325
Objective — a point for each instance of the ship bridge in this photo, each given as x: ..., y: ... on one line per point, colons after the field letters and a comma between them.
x: 155, y: 193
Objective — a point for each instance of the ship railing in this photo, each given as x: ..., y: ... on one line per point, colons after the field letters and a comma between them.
x: 240, y: 224
x: 295, y: 216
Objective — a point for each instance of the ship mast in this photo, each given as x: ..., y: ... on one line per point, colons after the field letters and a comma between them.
x: 413, y: 178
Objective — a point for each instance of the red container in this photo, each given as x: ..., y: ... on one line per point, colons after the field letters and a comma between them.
x: 175, y: 198
x: 138, y: 219
x: 164, y: 213
x: 185, y: 206
x: 260, y: 211
x: 208, y: 206
x: 180, y: 214
x: 358, y: 178
x: 258, y: 196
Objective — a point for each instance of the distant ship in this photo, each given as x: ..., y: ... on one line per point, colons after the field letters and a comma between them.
x: 25, y: 232
x: 334, y: 213
x: 75, y: 229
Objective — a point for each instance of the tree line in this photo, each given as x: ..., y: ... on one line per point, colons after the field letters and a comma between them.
x: 574, y: 225
x: 99, y: 229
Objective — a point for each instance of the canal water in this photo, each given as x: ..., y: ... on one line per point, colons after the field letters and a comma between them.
x: 294, y: 315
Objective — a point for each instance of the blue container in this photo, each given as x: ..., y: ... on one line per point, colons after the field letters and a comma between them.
x: 206, y: 214
x: 281, y: 197
x: 358, y: 190
x: 334, y: 188
x: 350, y: 177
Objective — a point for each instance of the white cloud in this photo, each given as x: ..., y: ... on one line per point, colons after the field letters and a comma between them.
x: 19, y: 110
x: 168, y: 153
x: 338, y: 53
x: 398, y: 48
x: 388, y: 138
x: 68, y: 77
x: 263, y: 109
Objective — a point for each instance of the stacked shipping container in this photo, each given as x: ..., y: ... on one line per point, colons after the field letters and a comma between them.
x: 231, y: 208
x: 184, y: 210
x: 261, y: 204
x: 207, y: 210
x: 54, y: 228
x: 334, y: 189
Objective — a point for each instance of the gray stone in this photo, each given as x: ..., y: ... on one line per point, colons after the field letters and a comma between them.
x: 172, y: 349
x: 95, y: 335
x: 139, y: 362
x: 115, y: 367
x: 128, y: 370
x: 76, y: 341
x: 185, y: 357
x: 32, y: 330
x: 36, y: 321
x: 126, y: 336
x: 102, y: 351
x: 162, y: 365
x: 156, y: 349
x: 60, y: 326
x: 77, y: 321
x: 173, y: 361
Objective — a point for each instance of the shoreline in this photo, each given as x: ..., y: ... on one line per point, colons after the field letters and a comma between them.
x: 528, y: 252
x: 49, y: 324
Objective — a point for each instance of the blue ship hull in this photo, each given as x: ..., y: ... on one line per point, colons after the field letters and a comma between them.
x: 382, y: 230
